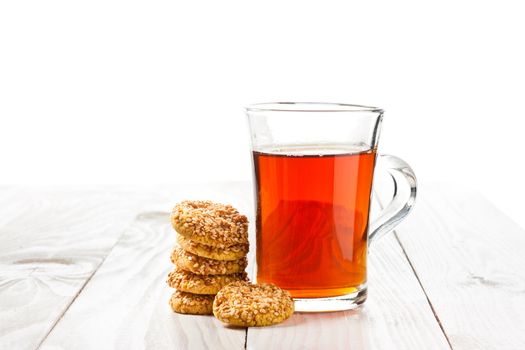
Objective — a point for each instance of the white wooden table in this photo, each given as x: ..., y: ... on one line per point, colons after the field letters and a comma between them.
x: 85, y: 268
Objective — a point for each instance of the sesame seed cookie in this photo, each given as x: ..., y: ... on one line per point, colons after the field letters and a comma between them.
x: 252, y: 305
x: 200, y: 284
x: 203, y: 266
x: 213, y: 224
x: 233, y: 252
x: 187, y: 303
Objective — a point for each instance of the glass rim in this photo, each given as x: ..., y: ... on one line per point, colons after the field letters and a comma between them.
x: 323, y: 107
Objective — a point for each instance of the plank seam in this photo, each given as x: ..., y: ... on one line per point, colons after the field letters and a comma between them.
x: 82, y: 288
x: 394, y: 232
x: 423, y: 289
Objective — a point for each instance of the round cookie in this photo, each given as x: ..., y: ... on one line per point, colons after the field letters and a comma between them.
x: 213, y: 224
x: 187, y: 303
x: 203, y: 266
x: 200, y: 284
x: 233, y: 252
x: 252, y: 305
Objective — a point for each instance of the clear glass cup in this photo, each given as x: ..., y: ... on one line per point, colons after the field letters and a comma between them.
x: 314, y: 167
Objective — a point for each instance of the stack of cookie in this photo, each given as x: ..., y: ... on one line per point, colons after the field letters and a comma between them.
x: 211, y: 253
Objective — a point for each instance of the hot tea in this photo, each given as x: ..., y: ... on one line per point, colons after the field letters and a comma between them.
x: 312, y: 218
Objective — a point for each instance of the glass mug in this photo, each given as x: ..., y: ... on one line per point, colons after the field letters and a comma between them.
x: 313, y: 167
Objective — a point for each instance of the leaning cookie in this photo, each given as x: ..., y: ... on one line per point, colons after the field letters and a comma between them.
x: 203, y: 266
x: 187, y: 303
x: 233, y: 252
x: 213, y: 224
x: 200, y: 284
x: 252, y: 305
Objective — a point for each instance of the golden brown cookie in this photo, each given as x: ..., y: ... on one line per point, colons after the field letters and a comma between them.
x: 213, y: 224
x: 252, y: 305
x: 187, y: 303
x: 233, y: 252
x: 203, y: 266
x: 200, y: 284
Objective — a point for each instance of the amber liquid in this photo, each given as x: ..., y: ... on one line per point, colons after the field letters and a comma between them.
x: 312, y: 218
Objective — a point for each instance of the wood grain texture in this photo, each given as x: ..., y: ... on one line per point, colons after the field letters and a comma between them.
x: 470, y: 260
x: 395, y: 316
x: 126, y: 305
x: 54, y: 246
x: 51, y: 242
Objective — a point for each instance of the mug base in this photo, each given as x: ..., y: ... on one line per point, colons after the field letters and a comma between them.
x: 339, y: 303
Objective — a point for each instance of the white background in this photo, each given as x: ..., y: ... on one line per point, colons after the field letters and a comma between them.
x: 153, y: 92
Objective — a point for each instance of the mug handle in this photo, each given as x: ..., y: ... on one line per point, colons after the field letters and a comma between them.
x: 405, y: 188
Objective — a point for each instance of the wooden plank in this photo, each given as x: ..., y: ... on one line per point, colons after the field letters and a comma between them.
x: 469, y: 258
x: 51, y: 242
x: 125, y: 304
x: 395, y: 316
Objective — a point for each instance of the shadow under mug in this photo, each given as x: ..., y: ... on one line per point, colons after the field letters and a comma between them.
x: 314, y: 167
